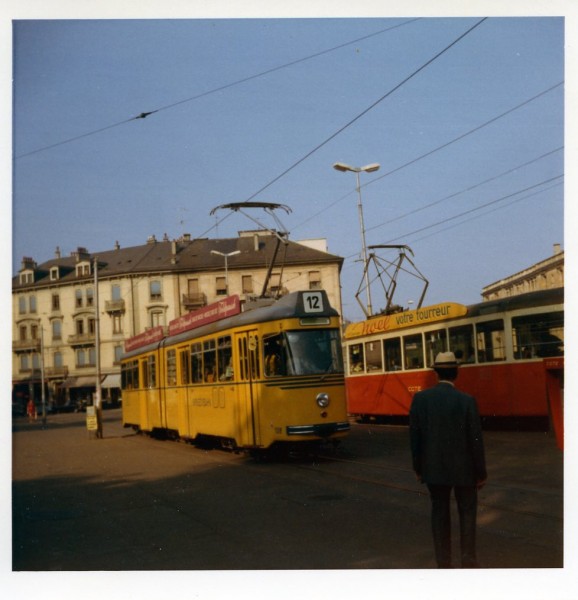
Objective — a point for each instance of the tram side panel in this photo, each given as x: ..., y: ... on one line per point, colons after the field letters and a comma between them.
x: 388, y: 394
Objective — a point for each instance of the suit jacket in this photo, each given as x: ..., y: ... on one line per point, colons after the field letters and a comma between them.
x: 446, y: 437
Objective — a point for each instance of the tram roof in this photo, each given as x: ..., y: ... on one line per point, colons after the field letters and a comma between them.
x: 530, y: 299
x: 289, y: 306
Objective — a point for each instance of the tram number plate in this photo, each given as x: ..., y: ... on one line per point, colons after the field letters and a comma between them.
x: 313, y: 302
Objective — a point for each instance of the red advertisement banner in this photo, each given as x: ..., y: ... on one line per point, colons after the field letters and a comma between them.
x: 156, y: 334
x: 227, y: 307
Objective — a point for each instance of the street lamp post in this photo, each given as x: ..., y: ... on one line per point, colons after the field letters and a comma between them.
x: 226, y: 257
x: 42, y: 376
x: 357, y: 170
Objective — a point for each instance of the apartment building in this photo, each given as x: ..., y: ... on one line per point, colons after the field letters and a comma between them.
x: 56, y: 324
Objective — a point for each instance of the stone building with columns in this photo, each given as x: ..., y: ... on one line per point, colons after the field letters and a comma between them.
x: 546, y: 274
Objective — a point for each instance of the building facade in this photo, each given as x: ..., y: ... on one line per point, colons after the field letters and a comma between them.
x: 546, y: 274
x: 63, y: 307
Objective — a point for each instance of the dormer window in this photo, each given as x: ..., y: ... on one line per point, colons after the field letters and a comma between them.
x: 54, y: 274
x: 26, y: 277
x: 83, y: 269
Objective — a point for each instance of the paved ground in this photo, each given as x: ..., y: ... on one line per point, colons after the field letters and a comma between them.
x: 127, y: 503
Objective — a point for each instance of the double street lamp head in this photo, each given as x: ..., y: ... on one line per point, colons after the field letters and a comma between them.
x: 226, y: 255
x: 367, y: 169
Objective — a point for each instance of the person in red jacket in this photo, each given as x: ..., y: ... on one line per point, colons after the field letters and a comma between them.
x: 448, y: 453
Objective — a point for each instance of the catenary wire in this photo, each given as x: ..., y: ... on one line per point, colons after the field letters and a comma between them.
x: 366, y: 110
x: 472, y: 210
x: 494, y: 209
x: 430, y: 152
x: 454, y: 225
x: 468, y: 189
x: 226, y: 86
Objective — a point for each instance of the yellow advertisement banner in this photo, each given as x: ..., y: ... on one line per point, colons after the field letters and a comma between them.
x: 409, y: 318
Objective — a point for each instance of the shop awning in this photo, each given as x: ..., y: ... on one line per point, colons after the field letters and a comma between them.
x: 111, y: 381
x: 79, y: 382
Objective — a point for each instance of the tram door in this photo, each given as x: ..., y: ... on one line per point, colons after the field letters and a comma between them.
x: 247, y: 405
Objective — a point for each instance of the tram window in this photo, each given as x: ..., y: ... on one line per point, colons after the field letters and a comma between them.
x: 373, y: 359
x: 313, y: 352
x: 275, y: 356
x: 185, y: 367
x: 149, y: 378
x: 209, y: 361
x: 254, y: 356
x: 129, y: 375
x: 413, y: 351
x: 436, y: 343
x: 152, y: 371
x: 392, y: 351
x: 225, y: 356
x: 462, y: 343
x: 490, y: 341
x: 197, y: 363
x: 243, y: 359
x: 538, y: 336
x: 135, y: 378
x: 171, y: 367
x: 356, y: 358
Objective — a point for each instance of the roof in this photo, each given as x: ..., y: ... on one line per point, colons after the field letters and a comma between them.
x: 183, y: 256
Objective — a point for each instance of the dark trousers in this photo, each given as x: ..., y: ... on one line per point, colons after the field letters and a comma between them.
x: 467, y: 501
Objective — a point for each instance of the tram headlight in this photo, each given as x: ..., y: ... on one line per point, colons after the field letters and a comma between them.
x: 323, y: 400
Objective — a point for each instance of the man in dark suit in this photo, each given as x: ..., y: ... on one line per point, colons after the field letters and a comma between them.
x: 448, y: 452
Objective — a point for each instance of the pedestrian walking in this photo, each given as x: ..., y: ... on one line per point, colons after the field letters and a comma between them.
x: 448, y: 453
x: 31, y: 410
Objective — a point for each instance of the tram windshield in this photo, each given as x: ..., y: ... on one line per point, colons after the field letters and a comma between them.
x: 303, y: 352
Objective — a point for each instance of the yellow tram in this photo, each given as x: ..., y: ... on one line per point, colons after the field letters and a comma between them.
x: 252, y: 380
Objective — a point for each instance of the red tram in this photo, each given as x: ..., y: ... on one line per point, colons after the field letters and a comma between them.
x: 501, y: 345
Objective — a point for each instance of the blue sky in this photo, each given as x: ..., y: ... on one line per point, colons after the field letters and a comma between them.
x: 471, y: 145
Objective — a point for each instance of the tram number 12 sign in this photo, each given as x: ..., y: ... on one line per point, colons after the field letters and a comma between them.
x: 313, y: 302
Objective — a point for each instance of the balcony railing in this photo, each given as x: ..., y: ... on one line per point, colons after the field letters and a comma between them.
x: 56, y: 372
x: 191, y: 301
x: 114, y: 306
x: 26, y: 345
x: 82, y: 339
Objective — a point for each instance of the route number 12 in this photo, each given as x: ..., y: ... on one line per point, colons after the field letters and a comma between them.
x: 313, y: 302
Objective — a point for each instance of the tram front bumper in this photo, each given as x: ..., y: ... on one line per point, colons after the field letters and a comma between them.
x: 320, y: 430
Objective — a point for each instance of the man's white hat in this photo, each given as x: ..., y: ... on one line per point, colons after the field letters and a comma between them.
x: 445, y: 360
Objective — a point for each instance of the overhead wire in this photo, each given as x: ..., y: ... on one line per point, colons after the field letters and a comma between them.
x: 465, y: 190
x: 144, y: 115
x: 494, y: 209
x: 366, y: 110
x: 454, y: 225
x: 470, y: 211
x: 434, y: 150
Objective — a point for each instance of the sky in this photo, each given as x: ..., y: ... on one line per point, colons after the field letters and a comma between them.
x: 465, y: 116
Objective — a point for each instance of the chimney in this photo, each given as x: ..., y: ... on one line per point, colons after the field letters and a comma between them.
x: 151, y: 239
x: 80, y: 254
x: 57, y: 252
x: 116, y: 245
x: 256, y: 242
x: 28, y: 263
x: 557, y: 249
